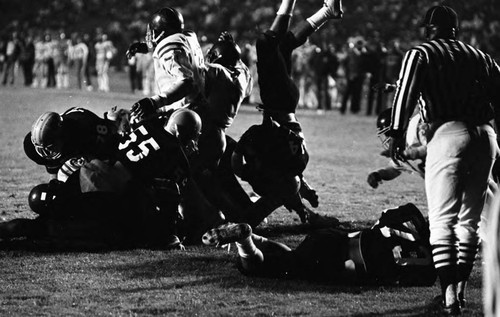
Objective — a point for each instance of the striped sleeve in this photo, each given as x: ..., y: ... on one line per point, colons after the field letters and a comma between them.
x: 407, y: 92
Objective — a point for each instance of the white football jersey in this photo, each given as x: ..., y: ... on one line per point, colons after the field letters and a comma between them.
x: 178, y: 57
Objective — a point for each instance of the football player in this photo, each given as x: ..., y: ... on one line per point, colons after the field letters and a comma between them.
x: 227, y: 82
x: 394, y: 251
x: 64, y: 142
x: 178, y: 60
x: 279, y: 94
x: 413, y: 158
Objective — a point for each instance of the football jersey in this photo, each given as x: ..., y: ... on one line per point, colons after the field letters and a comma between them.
x: 178, y: 57
x: 397, y: 249
x: 225, y: 91
x: 86, y: 136
x: 273, y: 150
x: 151, y: 152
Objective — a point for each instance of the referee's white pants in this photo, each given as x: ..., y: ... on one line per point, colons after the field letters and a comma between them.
x: 459, y: 162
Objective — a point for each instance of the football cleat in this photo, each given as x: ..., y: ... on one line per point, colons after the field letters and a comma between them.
x: 334, y: 9
x: 227, y: 233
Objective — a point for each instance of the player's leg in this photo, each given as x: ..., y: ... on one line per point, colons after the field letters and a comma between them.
x: 442, y: 181
x: 198, y: 213
x: 253, y: 250
x: 475, y: 185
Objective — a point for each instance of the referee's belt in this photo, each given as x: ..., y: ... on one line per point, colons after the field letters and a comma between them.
x: 355, y: 253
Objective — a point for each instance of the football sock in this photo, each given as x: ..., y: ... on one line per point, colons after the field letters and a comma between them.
x: 246, y: 248
x: 319, y: 18
x: 286, y: 7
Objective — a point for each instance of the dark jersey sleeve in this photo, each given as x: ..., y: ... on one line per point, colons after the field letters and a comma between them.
x: 150, y: 152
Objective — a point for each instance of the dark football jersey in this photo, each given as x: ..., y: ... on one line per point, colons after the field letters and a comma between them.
x: 273, y: 150
x: 86, y: 135
x: 151, y: 152
x: 397, y: 250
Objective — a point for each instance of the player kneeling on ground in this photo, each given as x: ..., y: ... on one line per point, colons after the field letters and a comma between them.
x: 395, y: 251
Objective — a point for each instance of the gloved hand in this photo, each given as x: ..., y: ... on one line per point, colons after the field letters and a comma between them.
x: 142, y: 109
x: 137, y: 47
x: 374, y: 179
x: 396, y: 148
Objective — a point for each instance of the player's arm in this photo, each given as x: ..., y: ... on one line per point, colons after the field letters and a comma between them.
x: 405, y: 99
x: 384, y: 174
x: 177, y: 82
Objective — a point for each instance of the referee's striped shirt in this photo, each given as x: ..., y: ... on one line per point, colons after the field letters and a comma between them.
x: 455, y: 81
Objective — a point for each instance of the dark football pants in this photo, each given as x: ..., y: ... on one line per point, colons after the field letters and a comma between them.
x: 277, y: 89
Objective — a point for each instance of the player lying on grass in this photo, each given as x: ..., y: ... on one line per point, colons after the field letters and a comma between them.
x: 394, y: 251
x: 272, y: 156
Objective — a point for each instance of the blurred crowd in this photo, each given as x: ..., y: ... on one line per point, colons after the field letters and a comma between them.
x: 52, y: 59
x: 331, y: 76
x: 335, y: 77
x: 342, y: 77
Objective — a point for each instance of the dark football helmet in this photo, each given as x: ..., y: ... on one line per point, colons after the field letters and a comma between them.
x: 383, y: 126
x: 224, y: 52
x: 185, y: 124
x: 40, y: 198
x: 46, y: 135
x: 440, y: 20
x: 164, y: 22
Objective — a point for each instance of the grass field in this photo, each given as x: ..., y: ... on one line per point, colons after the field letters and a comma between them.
x: 203, y: 281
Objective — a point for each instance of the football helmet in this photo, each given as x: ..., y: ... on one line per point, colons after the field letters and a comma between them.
x: 224, y: 52
x: 164, y: 22
x: 185, y: 124
x: 46, y: 135
x: 441, y: 20
x: 40, y: 198
x: 383, y: 126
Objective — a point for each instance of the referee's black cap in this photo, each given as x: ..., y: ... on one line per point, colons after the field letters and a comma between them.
x: 441, y: 16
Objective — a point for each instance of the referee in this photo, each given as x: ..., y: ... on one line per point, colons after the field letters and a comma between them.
x: 460, y: 89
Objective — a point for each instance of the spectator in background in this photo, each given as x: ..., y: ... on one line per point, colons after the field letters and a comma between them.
x: 61, y: 61
x: 146, y: 69
x: 28, y: 59
x: 354, y: 74
x: 373, y: 65
x: 88, y: 62
x: 135, y: 77
x: 3, y: 48
x: 39, y: 68
x: 392, y: 65
x: 79, y: 56
x: 50, y: 48
x: 104, y: 52
x: 12, y: 52
x: 326, y: 64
